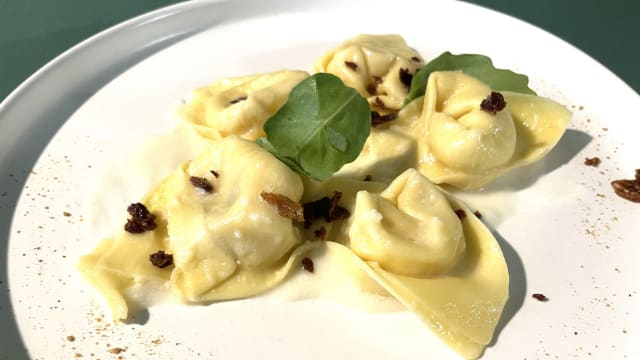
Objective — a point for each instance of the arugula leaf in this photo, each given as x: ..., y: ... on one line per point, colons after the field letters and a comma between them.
x: 479, y: 66
x: 322, y: 126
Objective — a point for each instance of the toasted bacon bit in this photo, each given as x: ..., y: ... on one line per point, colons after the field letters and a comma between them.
x: 461, y: 214
x: 161, y: 259
x: 594, y: 161
x: 377, y: 119
x: 628, y: 189
x: 238, y: 99
x: 477, y: 214
x: 377, y: 80
x: 368, y: 178
x: 416, y: 59
x: 215, y: 173
x: 351, y: 65
x: 286, y: 207
x: 320, y: 232
x: 201, y: 183
x: 371, y: 89
x: 307, y: 264
x: 540, y: 297
x: 493, y: 103
x: 405, y: 77
x: 141, y: 219
x: 326, y: 208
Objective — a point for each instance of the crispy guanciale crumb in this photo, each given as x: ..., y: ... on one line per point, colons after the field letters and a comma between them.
x: 141, y: 219
x: 161, y: 259
x: 405, y: 77
x: 628, y: 189
x: 377, y: 119
x: 326, y: 208
x: 371, y: 89
x: 201, y: 183
x: 540, y: 297
x: 320, y: 232
x: 461, y: 214
x: 215, y: 173
x: 237, y: 100
x: 351, y: 65
x: 493, y: 103
x: 477, y: 214
x: 594, y: 161
x: 307, y: 264
x: 285, y: 206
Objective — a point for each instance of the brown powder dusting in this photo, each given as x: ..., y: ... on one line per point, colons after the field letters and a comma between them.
x: 201, y: 183
x: 594, y: 161
x: 161, y: 259
x: 628, y: 189
x: 493, y: 103
x: 286, y: 207
x: 141, y: 219
x: 540, y: 297
x: 461, y: 214
x: 351, y: 65
x: 377, y: 119
x: 307, y: 264
x: 320, y: 233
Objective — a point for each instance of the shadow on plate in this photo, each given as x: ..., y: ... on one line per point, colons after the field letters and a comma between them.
x: 517, y: 285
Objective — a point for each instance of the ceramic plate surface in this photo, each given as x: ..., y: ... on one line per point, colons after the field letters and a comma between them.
x: 563, y: 231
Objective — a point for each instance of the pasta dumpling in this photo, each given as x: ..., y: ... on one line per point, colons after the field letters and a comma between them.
x: 226, y: 240
x: 463, y: 145
x: 380, y: 67
x: 240, y: 105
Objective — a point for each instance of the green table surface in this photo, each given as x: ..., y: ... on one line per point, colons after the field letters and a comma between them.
x: 33, y: 32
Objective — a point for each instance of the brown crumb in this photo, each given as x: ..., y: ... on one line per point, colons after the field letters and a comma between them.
x: 307, y: 264
x: 493, y: 103
x: 141, y: 219
x: 215, y: 173
x: 628, y: 189
x: 71, y: 338
x: 201, y: 183
x: 286, y: 207
x: 461, y: 214
x: 477, y: 214
x: 351, y: 65
x: 377, y: 80
x: 237, y: 100
x: 320, y: 232
x: 161, y: 259
x: 67, y: 214
x: 116, y: 350
x: 326, y: 208
x: 405, y: 77
x: 377, y: 119
x: 594, y: 161
x: 77, y: 355
x: 371, y: 89
x: 379, y: 103
x: 540, y: 297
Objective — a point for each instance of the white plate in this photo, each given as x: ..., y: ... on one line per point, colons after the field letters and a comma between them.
x: 563, y: 231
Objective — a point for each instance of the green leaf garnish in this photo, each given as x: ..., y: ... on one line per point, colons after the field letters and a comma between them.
x: 479, y: 66
x: 322, y: 126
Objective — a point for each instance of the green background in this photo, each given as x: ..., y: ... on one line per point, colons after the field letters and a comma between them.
x: 32, y: 32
